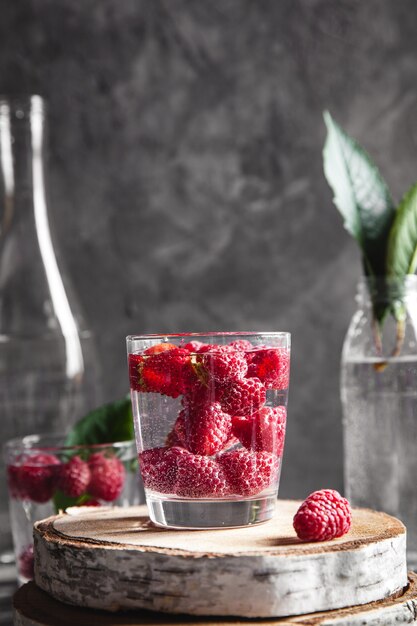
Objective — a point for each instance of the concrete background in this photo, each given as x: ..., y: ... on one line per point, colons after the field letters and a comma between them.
x: 186, y: 177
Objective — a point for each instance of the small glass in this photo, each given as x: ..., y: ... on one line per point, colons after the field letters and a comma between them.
x: 45, y: 476
x: 210, y: 418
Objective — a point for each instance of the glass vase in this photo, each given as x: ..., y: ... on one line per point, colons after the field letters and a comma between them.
x: 48, y: 368
x: 379, y: 399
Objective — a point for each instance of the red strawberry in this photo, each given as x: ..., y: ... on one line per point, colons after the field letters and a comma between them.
x: 73, y: 477
x: 199, y: 477
x: 159, y: 371
x: 249, y: 473
x: 271, y: 366
x: 107, y: 477
x: 322, y: 516
x: 243, y: 397
x: 221, y: 363
x: 37, y: 477
x: 158, y: 467
x: 26, y: 563
x: 264, y: 430
x: 206, y: 427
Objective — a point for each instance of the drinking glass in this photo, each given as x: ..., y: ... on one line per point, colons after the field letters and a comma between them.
x: 210, y: 415
x: 45, y: 476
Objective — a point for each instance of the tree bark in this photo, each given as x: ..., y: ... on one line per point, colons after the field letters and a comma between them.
x: 115, y: 559
x: 33, y: 607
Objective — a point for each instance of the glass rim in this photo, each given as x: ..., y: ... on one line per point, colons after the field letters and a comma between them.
x: 32, y: 443
x: 232, y: 333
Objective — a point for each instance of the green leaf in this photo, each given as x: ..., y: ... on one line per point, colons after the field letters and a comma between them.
x: 106, y: 424
x: 402, y: 244
x: 62, y: 502
x: 360, y: 194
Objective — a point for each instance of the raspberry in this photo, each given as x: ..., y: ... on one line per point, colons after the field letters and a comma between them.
x: 177, y: 436
x: 220, y: 363
x: 271, y: 366
x: 194, y: 346
x: 159, y: 371
x: 135, y: 365
x: 92, y: 502
x: 264, y: 430
x: 324, y: 515
x: 200, y: 477
x: 249, y: 472
x: 37, y: 477
x: 207, y: 428
x: 158, y: 467
x: 243, y: 397
x: 16, y: 488
x: 241, y: 344
x: 73, y: 477
x: 107, y: 477
x: 159, y: 347
x: 26, y: 562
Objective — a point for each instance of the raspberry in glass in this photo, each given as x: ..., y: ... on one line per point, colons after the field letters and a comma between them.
x: 207, y: 428
x: 200, y: 477
x: 37, y: 477
x: 221, y: 363
x: 242, y: 397
x: 73, y: 477
x: 248, y: 472
x: 159, y: 371
x: 26, y: 562
x: 107, y: 477
x: 158, y: 467
x: 271, y: 366
x: 264, y: 430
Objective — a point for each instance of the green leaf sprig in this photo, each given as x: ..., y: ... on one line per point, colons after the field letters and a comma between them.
x: 386, y: 234
x: 106, y: 424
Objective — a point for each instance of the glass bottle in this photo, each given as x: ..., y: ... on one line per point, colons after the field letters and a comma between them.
x: 379, y: 398
x: 48, y: 371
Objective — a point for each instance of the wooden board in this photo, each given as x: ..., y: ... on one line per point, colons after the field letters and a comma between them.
x: 33, y: 607
x: 113, y: 559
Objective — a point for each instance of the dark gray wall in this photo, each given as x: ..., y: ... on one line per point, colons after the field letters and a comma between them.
x: 186, y: 175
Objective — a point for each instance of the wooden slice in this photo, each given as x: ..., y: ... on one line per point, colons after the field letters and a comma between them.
x: 115, y: 559
x: 33, y: 607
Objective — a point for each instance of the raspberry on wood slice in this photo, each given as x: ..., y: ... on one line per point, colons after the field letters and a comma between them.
x: 200, y: 477
x: 324, y: 515
x: 249, y: 473
x: 242, y: 397
x: 271, y: 366
x: 264, y: 430
x: 107, y: 477
x: 73, y: 477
